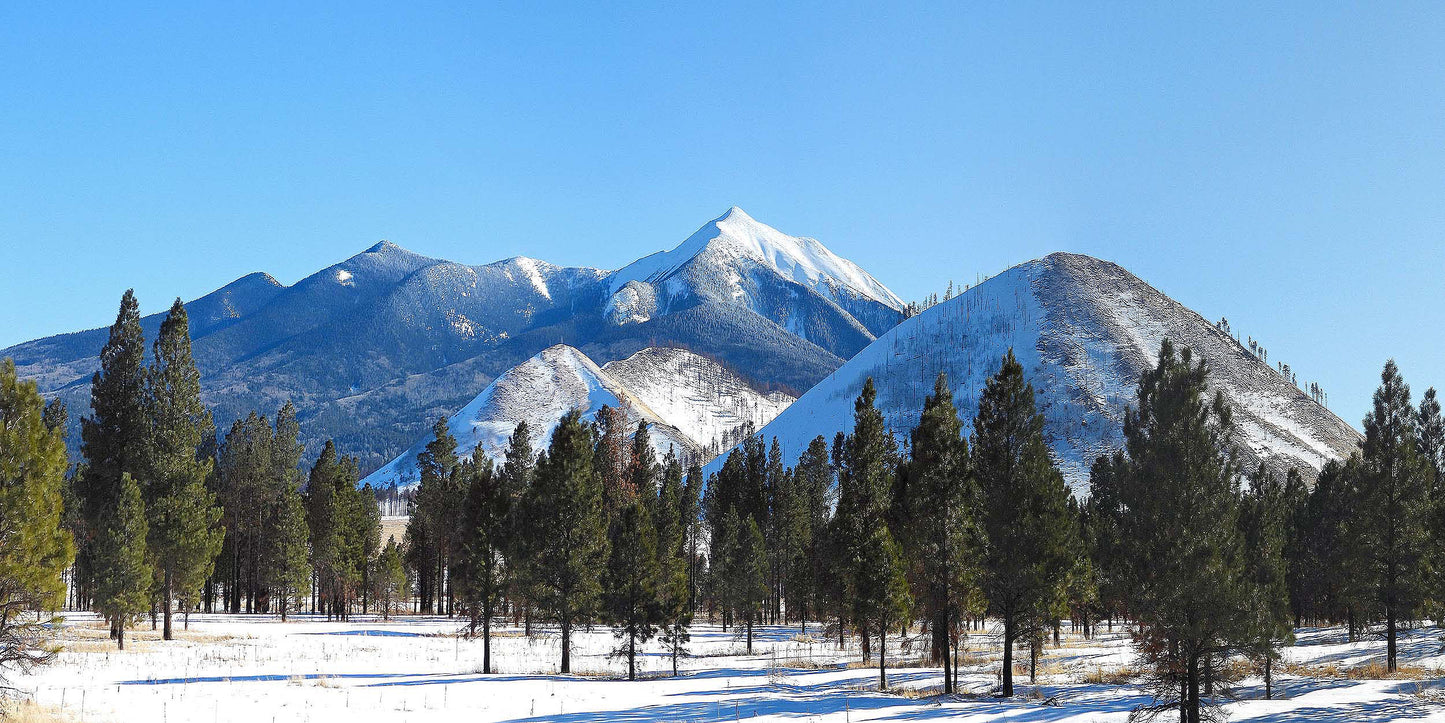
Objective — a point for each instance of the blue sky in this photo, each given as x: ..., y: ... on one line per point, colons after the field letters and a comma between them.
x: 1283, y: 166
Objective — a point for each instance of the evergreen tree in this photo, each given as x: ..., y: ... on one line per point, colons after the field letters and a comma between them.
x: 814, y: 480
x: 37, y: 546
x: 631, y: 581
x: 883, y: 596
x: 672, y: 522
x: 183, y: 514
x: 287, y: 567
x: 941, y: 518
x: 1333, y: 559
x: 865, y: 482
x: 1394, y: 506
x: 483, y: 539
x: 440, y: 496
x: 1025, y: 516
x: 389, y: 583
x: 1104, y: 510
x: 1265, y: 521
x: 246, y: 490
x: 516, y: 476
x: 123, y: 576
x: 567, y: 544
x: 114, y: 438
x: 751, y: 569
x: 1180, y: 495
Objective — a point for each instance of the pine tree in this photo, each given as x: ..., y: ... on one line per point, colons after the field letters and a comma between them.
x: 123, y: 576
x: 287, y: 567
x: 246, y: 489
x: 864, y: 486
x: 567, y: 533
x: 516, y: 477
x: 631, y: 581
x: 751, y: 569
x: 114, y: 438
x: 389, y: 581
x: 1333, y: 559
x: 1025, y: 515
x: 439, y: 499
x: 37, y: 546
x: 883, y: 596
x: 1180, y: 492
x: 183, y: 514
x: 672, y: 522
x: 814, y: 480
x: 1265, y: 521
x: 483, y: 539
x: 941, y: 518
x: 1394, y: 506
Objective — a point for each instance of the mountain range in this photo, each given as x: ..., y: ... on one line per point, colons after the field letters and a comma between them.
x: 374, y: 349
x: 1084, y: 331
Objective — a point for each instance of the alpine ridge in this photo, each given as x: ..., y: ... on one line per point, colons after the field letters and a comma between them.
x: 1084, y: 330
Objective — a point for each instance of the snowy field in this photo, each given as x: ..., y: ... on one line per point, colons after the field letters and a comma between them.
x: 253, y: 669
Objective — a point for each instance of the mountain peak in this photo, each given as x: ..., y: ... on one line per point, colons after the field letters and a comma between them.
x: 384, y: 246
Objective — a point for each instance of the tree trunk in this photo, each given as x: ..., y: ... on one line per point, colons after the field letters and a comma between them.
x: 566, y: 645
x: 882, y: 657
x: 632, y: 653
x: 166, y: 592
x: 120, y: 637
x: 1390, y: 652
x: 1008, y: 657
x: 486, y: 640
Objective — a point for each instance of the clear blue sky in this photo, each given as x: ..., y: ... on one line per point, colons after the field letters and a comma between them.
x: 1283, y: 166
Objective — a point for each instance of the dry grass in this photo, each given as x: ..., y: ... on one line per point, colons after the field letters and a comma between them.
x: 1373, y: 670
x: 1114, y: 676
x: 25, y: 711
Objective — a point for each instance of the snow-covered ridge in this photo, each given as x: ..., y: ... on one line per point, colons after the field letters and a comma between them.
x: 699, y: 404
x: 735, y: 234
x: 1084, y: 330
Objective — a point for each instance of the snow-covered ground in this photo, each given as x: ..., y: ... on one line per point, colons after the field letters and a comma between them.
x: 255, y: 668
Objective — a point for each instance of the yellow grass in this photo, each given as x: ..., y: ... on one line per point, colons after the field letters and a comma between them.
x: 24, y: 711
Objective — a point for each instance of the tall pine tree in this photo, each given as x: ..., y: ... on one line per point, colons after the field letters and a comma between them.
x: 1025, y: 514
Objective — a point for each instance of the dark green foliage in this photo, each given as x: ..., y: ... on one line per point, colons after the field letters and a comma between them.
x: 865, y: 485
x: 37, y: 546
x: 632, y: 580
x: 286, y: 564
x: 1180, y: 496
x: 482, y: 574
x: 122, y: 573
x: 1025, y: 514
x: 1394, y: 507
x: 673, y: 520
x: 389, y: 581
x: 883, y: 598
x: 114, y: 438
x: 750, y: 567
x: 1265, y: 520
x: 566, y: 546
x: 939, y: 515
x: 183, y: 515
x: 344, y: 524
x: 434, y: 528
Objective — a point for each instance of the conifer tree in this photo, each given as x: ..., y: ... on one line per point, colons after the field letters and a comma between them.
x: 941, y: 518
x: 883, y: 596
x: 439, y: 500
x: 567, y: 544
x: 1025, y: 515
x: 483, y: 539
x: 115, y: 437
x: 245, y: 472
x: 631, y: 581
x: 389, y: 581
x: 183, y: 514
x: 751, y: 568
x: 1265, y: 521
x: 287, y: 567
x: 864, y: 486
x: 37, y: 546
x: 123, y: 576
x: 1336, y: 590
x: 1180, y: 495
x: 1394, y: 507
x: 814, y: 480
x: 672, y: 522
x: 516, y: 476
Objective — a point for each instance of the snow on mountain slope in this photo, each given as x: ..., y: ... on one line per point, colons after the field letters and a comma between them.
x: 710, y: 404
x: 538, y: 391
x: 1084, y: 330
x: 735, y: 234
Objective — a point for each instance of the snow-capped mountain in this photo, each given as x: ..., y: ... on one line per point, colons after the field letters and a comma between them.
x: 1084, y: 330
x: 375, y: 348
x: 701, y: 405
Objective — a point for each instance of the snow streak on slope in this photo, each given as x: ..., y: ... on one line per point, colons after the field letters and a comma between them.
x: 538, y: 391
x: 737, y: 235
x: 710, y: 404
x: 1084, y: 330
